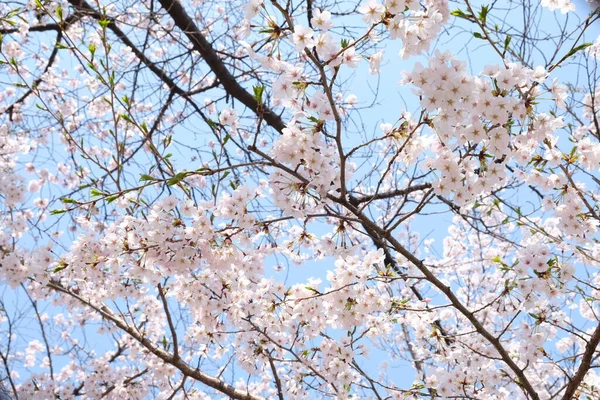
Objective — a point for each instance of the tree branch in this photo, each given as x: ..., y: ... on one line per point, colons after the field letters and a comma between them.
x: 200, y: 44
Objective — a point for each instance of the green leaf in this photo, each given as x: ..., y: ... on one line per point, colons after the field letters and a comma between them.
x: 177, y: 178
x: 460, y: 14
x: 483, y: 14
x: 315, y: 291
x: 258, y: 92
x: 507, y: 42
x: 112, y: 198
x: 576, y: 49
x: 478, y: 35
x: 344, y: 43
x: 68, y: 200
x: 227, y: 137
x: 146, y: 177
x: 96, y: 192
x: 56, y: 212
x: 126, y: 118
x: 59, y: 268
x: 59, y: 13
x: 104, y: 23
x: 212, y: 124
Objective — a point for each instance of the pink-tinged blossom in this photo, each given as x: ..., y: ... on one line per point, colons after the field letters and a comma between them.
x: 372, y: 11
x: 375, y: 62
x: 563, y: 5
x: 321, y: 19
x: 350, y: 58
x: 395, y: 6
x: 303, y: 37
x: 560, y: 93
x: 252, y: 8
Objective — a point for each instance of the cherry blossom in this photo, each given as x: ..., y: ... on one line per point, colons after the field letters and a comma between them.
x: 204, y: 200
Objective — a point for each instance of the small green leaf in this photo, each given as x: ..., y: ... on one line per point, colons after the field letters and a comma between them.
x: 59, y: 268
x: 460, y: 14
x: 478, y: 35
x: 212, y: 124
x: 258, y: 92
x: 56, y: 212
x: 68, y: 200
x: 483, y: 14
x: 576, y: 49
x: 146, y: 177
x: 507, y: 42
x: 112, y: 198
x: 177, y: 178
x: 96, y: 192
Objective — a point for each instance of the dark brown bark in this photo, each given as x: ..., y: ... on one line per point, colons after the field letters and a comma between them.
x: 232, y: 87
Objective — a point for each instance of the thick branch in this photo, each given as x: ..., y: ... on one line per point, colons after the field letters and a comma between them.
x: 495, y: 342
x: 584, y: 367
x: 391, y: 193
x: 178, y: 363
x: 85, y: 8
x: 200, y: 44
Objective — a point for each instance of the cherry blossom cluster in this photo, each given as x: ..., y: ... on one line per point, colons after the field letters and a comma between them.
x: 214, y: 276
x: 417, y: 26
x: 181, y: 267
x: 563, y: 5
x: 478, y: 113
x: 314, y: 166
